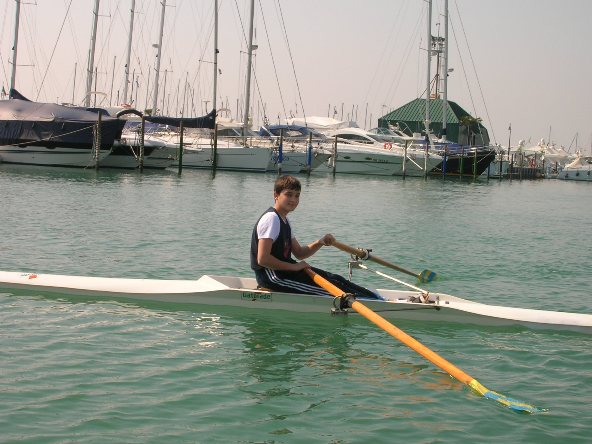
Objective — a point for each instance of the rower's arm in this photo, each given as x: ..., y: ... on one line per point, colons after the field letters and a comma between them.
x: 265, y: 258
x: 303, y: 252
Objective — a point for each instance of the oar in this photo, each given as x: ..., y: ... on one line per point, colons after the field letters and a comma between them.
x: 418, y: 347
x: 424, y: 276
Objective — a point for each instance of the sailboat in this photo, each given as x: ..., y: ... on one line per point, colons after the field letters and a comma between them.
x: 233, y: 147
x: 49, y: 134
x: 471, y: 160
x: 466, y: 156
x: 160, y: 145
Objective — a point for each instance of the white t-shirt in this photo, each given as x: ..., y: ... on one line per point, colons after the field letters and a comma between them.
x: 269, y: 226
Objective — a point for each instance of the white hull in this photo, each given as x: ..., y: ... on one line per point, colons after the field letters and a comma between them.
x: 38, y: 155
x: 126, y: 151
x: 579, y: 169
x: 232, y: 158
x: 295, y: 161
x: 363, y: 160
x: 242, y: 292
x: 160, y: 158
x: 581, y: 174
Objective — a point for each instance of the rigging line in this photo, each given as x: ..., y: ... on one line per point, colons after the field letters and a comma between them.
x: 53, y: 51
x: 27, y: 21
x: 247, y: 43
x: 292, y: 60
x: 125, y: 24
x: 462, y: 64
x: 476, y: 75
x: 380, y: 69
x: 392, y: 91
x: 108, y: 34
x: 2, y: 33
x: 210, y: 32
x: 240, y: 19
x: 273, y: 62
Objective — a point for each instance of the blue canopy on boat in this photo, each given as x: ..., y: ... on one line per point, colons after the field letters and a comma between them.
x: 19, y: 108
x: 207, y: 121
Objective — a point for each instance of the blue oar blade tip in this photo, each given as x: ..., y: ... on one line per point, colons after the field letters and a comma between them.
x: 427, y: 276
x: 513, y: 404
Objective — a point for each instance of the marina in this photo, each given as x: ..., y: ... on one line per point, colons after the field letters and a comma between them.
x: 442, y: 170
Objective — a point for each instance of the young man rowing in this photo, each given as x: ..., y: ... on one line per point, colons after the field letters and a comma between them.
x: 272, y: 246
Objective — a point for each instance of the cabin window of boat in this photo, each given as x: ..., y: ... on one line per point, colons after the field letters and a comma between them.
x: 381, y: 139
x: 352, y: 137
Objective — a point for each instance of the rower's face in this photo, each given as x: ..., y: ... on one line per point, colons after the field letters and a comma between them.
x: 288, y: 200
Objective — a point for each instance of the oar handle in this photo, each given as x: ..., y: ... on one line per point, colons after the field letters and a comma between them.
x: 359, y: 252
x: 365, y: 254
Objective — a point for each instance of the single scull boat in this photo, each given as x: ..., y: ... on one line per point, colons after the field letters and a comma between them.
x: 243, y: 292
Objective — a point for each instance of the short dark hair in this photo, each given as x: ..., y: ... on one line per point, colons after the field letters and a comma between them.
x: 286, y: 183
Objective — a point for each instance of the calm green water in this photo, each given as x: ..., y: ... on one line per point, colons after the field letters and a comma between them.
x: 76, y: 370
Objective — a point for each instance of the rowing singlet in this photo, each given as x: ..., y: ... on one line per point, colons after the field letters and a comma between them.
x: 282, y: 246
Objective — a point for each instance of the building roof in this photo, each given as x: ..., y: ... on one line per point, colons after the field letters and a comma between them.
x: 414, y: 111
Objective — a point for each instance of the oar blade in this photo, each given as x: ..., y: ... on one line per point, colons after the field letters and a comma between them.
x: 426, y: 276
x: 514, y: 404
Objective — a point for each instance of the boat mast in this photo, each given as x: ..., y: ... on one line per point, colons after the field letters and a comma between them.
x: 129, y: 52
x: 249, y: 63
x: 429, y: 50
x: 445, y: 74
x: 215, y: 53
x: 91, y: 57
x: 14, y: 47
x: 155, y: 98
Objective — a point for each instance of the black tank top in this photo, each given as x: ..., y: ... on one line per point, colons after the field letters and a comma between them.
x: 280, y: 249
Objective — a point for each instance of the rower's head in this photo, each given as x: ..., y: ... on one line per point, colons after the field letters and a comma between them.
x: 286, y: 193
x: 286, y: 183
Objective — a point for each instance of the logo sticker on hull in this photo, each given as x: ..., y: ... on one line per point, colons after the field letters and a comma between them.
x: 252, y: 296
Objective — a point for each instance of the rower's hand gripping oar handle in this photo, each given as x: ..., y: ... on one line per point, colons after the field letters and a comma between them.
x: 424, y: 276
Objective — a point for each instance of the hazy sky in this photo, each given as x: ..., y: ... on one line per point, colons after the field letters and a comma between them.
x: 521, y: 62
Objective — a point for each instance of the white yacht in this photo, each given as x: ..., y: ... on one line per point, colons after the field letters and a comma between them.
x: 234, y: 151
x: 158, y: 153
x: 360, y: 152
x: 580, y: 169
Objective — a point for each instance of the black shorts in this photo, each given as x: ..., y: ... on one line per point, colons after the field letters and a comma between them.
x: 300, y: 282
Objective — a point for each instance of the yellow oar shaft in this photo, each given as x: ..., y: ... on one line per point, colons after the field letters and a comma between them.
x: 424, y: 351
x: 395, y: 332
x: 412, y: 343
